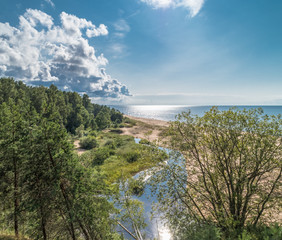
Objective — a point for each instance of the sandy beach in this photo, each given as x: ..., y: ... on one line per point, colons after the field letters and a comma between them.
x: 145, y: 128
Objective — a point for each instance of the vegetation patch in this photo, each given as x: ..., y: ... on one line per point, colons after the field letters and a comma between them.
x: 120, y: 157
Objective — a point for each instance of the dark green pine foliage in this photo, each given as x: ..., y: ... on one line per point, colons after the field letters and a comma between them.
x: 13, y: 136
x: 45, y: 192
x: 73, y: 109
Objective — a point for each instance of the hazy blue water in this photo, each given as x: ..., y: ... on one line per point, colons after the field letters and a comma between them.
x: 168, y: 112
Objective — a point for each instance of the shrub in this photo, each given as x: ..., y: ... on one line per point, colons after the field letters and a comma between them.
x: 101, y: 155
x: 110, y: 144
x: 130, y: 122
x: 93, y: 133
x: 80, y: 132
x: 116, y: 130
x: 132, y: 156
x: 144, y: 141
x: 88, y: 142
x: 197, y: 231
x: 272, y: 232
x: 124, y: 140
x: 136, y: 187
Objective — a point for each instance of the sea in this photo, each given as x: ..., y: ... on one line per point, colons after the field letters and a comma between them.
x: 169, y: 112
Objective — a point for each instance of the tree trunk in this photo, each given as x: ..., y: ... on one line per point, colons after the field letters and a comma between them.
x: 43, y: 223
x: 16, y: 199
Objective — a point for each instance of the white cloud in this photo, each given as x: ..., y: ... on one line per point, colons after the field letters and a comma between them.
x: 40, y: 52
x: 194, y: 6
x: 34, y: 17
x: 122, y: 26
x: 50, y: 2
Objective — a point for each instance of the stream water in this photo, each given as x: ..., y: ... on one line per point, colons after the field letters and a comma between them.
x: 156, y: 227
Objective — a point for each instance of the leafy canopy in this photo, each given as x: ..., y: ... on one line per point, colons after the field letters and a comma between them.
x: 231, y: 172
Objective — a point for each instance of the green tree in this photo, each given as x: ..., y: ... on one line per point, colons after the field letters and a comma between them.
x: 231, y: 175
x: 103, y: 119
x: 12, y: 156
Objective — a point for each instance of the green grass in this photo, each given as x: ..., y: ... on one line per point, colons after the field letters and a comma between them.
x: 125, y: 158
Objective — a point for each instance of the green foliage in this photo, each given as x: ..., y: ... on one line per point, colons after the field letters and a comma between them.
x: 144, y: 141
x: 198, y: 231
x: 88, y: 142
x: 119, y: 156
x: 132, y: 156
x: 116, y: 116
x: 111, y: 144
x: 231, y: 171
x: 101, y: 155
x: 80, y: 132
x: 92, y: 133
x: 116, y: 130
x: 136, y: 187
x: 261, y: 232
x: 45, y: 191
x: 103, y: 119
x: 73, y: 111
x: 129, y: 122
x: 9, y: 237
x: 132, y: 210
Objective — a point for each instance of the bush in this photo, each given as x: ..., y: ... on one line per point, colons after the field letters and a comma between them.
x: 198, y: 231
x: 136, y: 187
x: 124, y: 140
x: 80, y: 132
x: 144, y: 141
x: 93, y: 133
x: 130, y: 122
x: 110, y: 144
x: 88, y: 142
x: 101, y: 155
x: 116, y: 130
x: 272, y: 232
x: 132, y: 156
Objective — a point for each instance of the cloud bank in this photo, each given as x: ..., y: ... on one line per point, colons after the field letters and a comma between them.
x: 40, y: 52
x: 194, y: 6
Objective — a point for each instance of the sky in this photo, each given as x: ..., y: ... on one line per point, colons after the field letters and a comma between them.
x: 183, y: 52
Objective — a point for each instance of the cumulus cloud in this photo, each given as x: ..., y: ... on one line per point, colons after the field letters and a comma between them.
x: 194, y: 6
x: 40, y: 52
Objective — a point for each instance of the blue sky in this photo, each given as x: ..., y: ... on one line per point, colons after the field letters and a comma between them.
x: 192, y: 52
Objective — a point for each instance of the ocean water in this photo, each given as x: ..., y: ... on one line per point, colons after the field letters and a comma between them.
x: 168, y: 112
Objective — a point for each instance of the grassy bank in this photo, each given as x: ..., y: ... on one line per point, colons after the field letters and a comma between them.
x: 116, y: 156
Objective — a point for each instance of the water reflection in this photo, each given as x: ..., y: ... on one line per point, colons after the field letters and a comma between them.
x: 156, y: 227
x: 168, y: 112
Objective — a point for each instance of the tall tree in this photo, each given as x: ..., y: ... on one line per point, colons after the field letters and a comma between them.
x: 232, y: 173
x: 12, y: 155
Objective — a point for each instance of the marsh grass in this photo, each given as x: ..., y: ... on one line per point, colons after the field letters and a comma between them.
x: 120, y: 157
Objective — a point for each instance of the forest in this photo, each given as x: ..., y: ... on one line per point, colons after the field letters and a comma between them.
x: 48, y: 191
